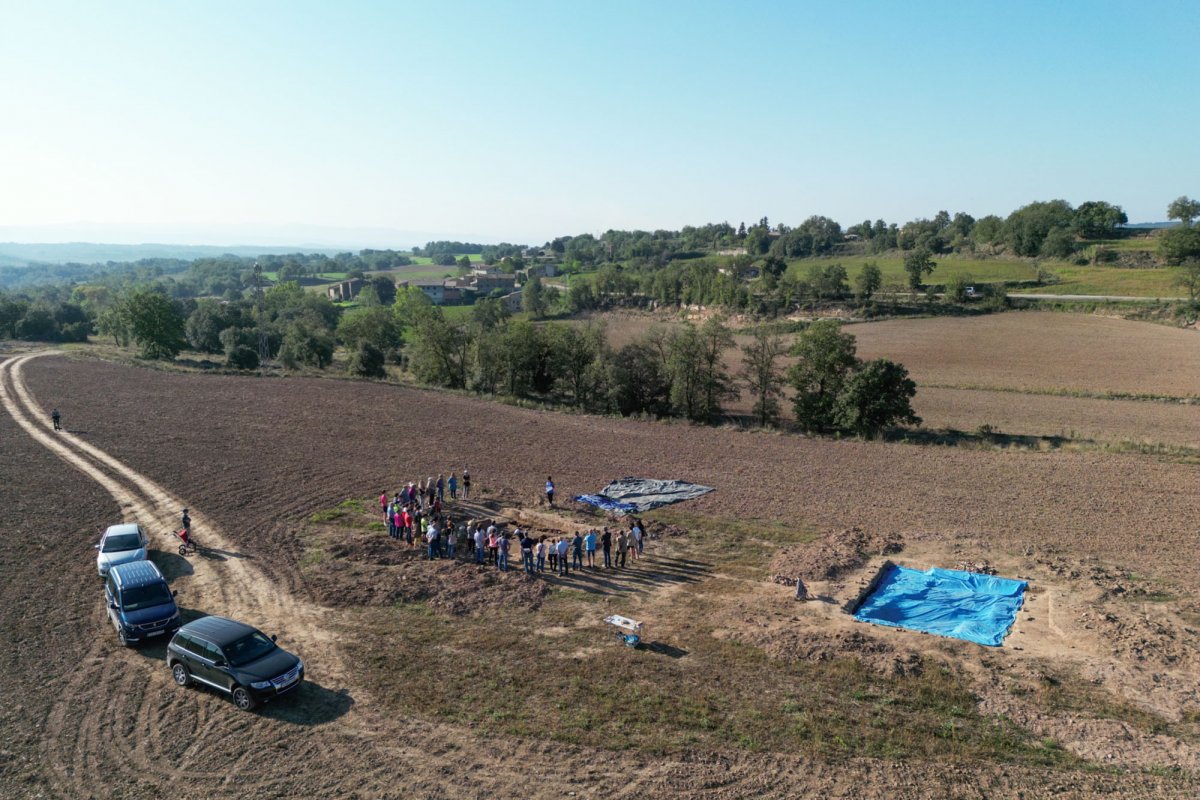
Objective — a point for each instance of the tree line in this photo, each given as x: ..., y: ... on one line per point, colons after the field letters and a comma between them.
x: 677, y: 371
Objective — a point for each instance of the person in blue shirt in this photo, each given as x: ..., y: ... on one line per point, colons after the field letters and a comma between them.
x: 589, y: 545
x: 549, y: 490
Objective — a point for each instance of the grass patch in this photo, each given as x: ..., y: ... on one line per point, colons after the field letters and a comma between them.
x: 344, y: 513
x: 1072, y: 695
x: 585, y: 689
x: 989, y: 270
x: 741, y: 546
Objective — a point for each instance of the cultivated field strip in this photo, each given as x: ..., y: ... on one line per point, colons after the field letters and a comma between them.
x: 127, y: 704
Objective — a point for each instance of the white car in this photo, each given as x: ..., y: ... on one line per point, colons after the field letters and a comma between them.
x: 121, y: 544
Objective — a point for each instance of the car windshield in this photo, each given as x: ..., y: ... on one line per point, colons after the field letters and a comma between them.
x: 138, y: 597
x: 248, y: 648
x: 122, y: 541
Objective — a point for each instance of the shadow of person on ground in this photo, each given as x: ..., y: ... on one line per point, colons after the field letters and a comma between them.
x: 214, y: 554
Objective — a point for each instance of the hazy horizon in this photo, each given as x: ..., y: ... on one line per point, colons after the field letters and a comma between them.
x: 386, y: 125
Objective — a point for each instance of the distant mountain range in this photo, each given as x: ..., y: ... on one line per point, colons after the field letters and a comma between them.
x: 1149, y: 226
x: 18, y: 254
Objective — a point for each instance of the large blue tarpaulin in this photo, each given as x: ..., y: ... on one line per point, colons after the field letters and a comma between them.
x: 946, y: 602
x: 642, y: 494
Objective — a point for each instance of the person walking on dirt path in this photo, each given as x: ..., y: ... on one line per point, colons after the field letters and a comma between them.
x: 622, y: 548
x: 577, y: 552
x: 452, y: 485
x: 589, y: 546
x: 383, y: 503
x: 406, y: 523
x: 466, y: 484
x: 563, y: 569
x: 550, y: 491
x: 186, y: 521
x: 552, y: 549
x: 541, y: 554
x: 632, y: 540
x: 502, y: 564
x: 451, y: 540
x: 431, y: 489
x: 391, y: 520
x: 639, y: 535
x: 493, y: 544
x: 606, y: 546
x: 441, y: 487
x: 56, y: 418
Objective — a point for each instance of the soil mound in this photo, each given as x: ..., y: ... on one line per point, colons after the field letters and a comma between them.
x: 366, y: 570
x: 832, y: 556
x: 876, y: 655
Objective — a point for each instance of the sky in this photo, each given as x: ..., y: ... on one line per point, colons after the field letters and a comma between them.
x: 388, y: 123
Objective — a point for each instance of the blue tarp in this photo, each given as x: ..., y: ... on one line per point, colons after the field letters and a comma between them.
x: 608, y: 504
x: 946, y: 602
x: 642, y: 494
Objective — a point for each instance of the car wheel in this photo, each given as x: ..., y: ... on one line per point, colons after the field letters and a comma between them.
x: 180, y: 673
x: 121, y: 637
x: 243, y: 699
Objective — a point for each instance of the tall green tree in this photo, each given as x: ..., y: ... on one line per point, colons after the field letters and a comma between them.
x: 685, y: 357
x: 204, y: 325
x: 716, y: 381
x: 918, y: 264
x: 876, y: 395
x: 825, y: 357
x: 1026, y: 229
x: 1097, y: 219
x: 761, y: 373
x: 155, y: 323
x: 377, y: 326
x: 637, y: 380
x: 533, y: 297
x: 868, y: 281
x: 1184, y: 209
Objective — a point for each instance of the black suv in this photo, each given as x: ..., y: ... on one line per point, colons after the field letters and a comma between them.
x: 234, y: 658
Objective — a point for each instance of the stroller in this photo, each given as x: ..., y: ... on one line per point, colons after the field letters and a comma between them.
x: 187, y: 544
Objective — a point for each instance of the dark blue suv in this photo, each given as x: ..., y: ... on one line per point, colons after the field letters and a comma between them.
x: 233, y: 658
x: 140, y: 604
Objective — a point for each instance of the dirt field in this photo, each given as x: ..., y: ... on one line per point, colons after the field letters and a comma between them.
x: 1036, y: 363
x: 1101, y: 694
x: 1040, y: 351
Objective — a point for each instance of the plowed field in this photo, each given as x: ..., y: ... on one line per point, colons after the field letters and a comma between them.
x: 258, y: 456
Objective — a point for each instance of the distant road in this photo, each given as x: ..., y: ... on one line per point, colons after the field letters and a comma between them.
x: 1099, y: 298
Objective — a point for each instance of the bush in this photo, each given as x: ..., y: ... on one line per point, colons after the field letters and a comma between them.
x: 242, y: 357
x: 367, y: 362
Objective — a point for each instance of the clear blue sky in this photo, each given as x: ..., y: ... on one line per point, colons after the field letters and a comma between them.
x: 522, y: 121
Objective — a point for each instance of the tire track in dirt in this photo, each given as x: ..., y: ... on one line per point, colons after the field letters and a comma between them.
x: 74, y: 746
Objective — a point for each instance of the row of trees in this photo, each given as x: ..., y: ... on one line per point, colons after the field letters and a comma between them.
x: 678, y: 371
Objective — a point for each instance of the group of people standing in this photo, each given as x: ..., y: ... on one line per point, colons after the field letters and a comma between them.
x: 417, y: 515
x: 420, y: 507
x: 562, y: 553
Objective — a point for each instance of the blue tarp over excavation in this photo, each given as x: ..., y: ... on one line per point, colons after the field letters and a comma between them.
x: 946, y: 602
